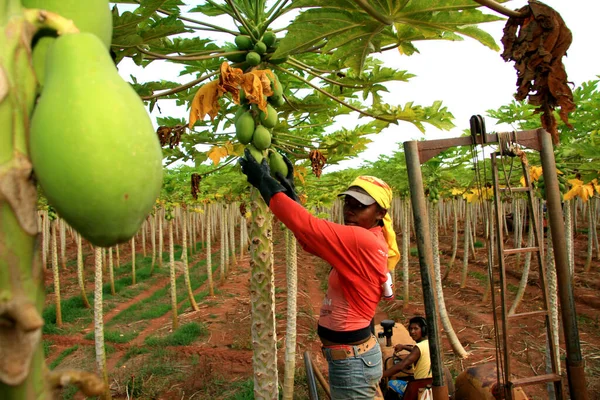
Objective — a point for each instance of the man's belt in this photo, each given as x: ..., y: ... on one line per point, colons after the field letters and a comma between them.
x: 344, y: 351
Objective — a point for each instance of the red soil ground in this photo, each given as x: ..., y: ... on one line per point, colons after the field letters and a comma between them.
x: 224, y: 355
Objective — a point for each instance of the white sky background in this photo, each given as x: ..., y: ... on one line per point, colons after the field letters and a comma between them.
x: 468, y: 77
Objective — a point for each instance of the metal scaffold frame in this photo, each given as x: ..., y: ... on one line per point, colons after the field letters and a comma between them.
x: 417, y: 153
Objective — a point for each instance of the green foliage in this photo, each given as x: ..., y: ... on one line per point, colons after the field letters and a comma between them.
x: 111, y: 336
x: 327, y: 55
x: 56, y: 362
x: 182, y: 336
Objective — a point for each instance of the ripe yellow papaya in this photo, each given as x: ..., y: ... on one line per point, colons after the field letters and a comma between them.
x: 270, y: 118
x: 244, y: 128
x: 93, y: 147
x: 92, y: 16
x: 261, y: 138
x: 277, y: 164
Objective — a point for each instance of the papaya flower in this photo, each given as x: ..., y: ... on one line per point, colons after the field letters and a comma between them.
x: 579, y: 189
x: 534, y: 174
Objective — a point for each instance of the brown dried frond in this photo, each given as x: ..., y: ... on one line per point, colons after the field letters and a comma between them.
x: 196, y: 178
x: 537, y: 43
x: 317, y: 161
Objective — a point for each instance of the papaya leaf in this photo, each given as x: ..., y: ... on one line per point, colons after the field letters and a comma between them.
x: 216, y: 153
x: 206, y: 101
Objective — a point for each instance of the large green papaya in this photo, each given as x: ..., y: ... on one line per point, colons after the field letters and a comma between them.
x: 268, y: 119
x: 277, y: 164
x: 92, y: 16
x: 93, y: 147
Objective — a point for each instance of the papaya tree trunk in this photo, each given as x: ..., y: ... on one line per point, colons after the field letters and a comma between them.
x: 225, y: 236
x: 55, y: 275
x: 80, y: 278
x: 133, y: 260
x: 262, y: 299
x: 290, y: 330
x: 552, y: 294
x: 467, y: 238
x: 490, y: 241
x: 406, y: 253
x: 457, y: 347
x: 175, y: 324
x: 209, y: 277
x: 184, y: 258
x: 45, y: 229
x: 524, y: 275
x: 99, y: 321
x: 153, y: 240
x: 21, y: 275
x: 454, y: 241
x: 569, y: 237
x: 111, y: 273
x: 590, y: 236
x: 144, y: 238
x: 160, y: 237
x: 63, y: 243
x: 222, y: 246
x: 231, y: 219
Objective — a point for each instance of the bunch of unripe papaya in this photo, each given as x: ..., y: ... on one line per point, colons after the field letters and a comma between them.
x: 254, y: 127
x: 92, y: 144
x: 257, y: 47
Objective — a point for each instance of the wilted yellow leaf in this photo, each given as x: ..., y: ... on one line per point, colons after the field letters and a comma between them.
x: 253, y: 88
x: 230, y: 80
x: 206, y: 101
x: 216, y: 153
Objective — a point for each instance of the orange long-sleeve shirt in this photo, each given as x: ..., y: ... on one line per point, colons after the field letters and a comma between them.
x: 358, y: 257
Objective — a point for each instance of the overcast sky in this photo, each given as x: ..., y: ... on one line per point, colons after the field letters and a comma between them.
x: 468, y: 77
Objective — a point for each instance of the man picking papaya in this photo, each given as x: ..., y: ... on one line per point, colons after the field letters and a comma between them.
x: 361, y: 253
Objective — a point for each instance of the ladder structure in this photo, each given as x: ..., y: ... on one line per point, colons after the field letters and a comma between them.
x: 508, y: 382
x: 419, y: 152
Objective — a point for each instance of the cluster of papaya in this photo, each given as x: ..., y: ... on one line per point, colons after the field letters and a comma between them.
x: 253, y: 127
x: 256, y: 47
x: 92, y: 144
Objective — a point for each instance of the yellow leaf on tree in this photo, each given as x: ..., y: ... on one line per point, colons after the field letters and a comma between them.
x: 216, y: 153
x: 230, y: 80
x: 254, y: 90
x: 206, y: 101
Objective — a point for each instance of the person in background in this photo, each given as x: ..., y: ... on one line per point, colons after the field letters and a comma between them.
x: 418, y: 358
x: 361, y: 252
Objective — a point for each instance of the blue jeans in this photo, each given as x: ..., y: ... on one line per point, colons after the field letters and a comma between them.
x: 357, y: 377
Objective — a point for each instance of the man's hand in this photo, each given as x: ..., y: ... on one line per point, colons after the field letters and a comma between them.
x: 288, y: 181
x: 259, y: 176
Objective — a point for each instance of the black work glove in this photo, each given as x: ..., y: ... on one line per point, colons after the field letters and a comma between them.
x: 259, y: 176
x: 288, y: 181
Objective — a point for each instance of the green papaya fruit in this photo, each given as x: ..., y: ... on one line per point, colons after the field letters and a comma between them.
x: 236, y: 58
x: 256, y: 153
x: 92, y: 16
x: 244, y: 128
x: 243, y: 42
x: 239, y: 112
x: 260, y: 48
x: 278, y: 61
x: 269, y: 38
x: 276, y: 101
x: 276, y: 86
x: 253, y: 58
x: 270, y: 118
x: 261, y: 138
x: 39, y: 57
x: 93, y: 148
x: 277, y: 164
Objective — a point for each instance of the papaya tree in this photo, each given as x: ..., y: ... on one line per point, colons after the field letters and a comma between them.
x: 313, y: 70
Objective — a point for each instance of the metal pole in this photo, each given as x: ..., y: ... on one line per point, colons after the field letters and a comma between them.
x: 574, y: 361
x: 417, y: 196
